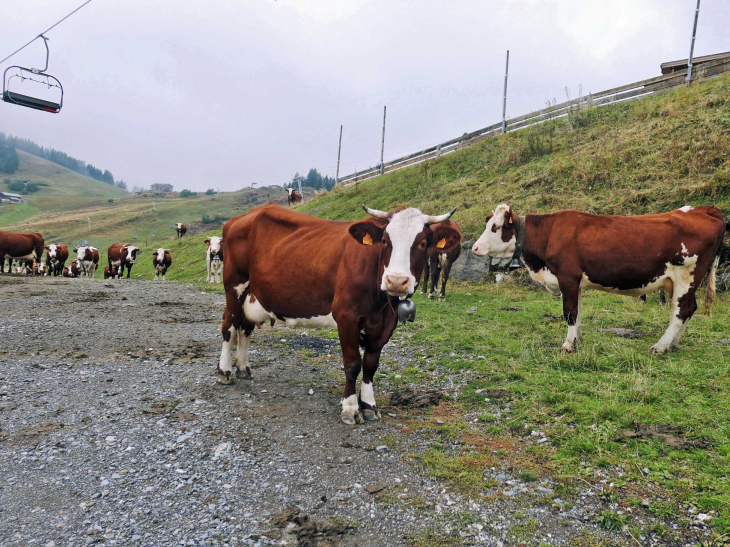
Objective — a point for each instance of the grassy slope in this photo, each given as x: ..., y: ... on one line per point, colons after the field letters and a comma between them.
x: 650, y: 155
x: 65, y: 190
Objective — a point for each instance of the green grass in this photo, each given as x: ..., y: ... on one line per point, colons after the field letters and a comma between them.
x: 650, y: 155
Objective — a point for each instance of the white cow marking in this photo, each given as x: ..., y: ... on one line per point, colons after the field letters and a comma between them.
x: 490, y: 243
x: 241, y: 288
x: 256, y: 313
x: 403, y: 229
x: 686, y: 208
x: 367, y: 395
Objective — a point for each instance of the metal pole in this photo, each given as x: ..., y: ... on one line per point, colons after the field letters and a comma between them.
x: 692, y: 44
x: 504, y: 102
x: 89, y: 221
x: 339, y: 150
x: 299, y: 181
x: 382, y: 145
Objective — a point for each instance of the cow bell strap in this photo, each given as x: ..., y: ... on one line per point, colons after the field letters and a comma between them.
x: 519, y: 244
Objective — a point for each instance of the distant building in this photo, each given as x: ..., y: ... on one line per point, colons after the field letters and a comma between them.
x: 676, y: 66
x: 7, y: 197
x: 161, y: 187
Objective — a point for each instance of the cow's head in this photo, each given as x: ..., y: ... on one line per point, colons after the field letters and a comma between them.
x: 179, y: 225
x: 159, y: 255
x: 52, y: 252
x: 500, y: 236
x: 81, y: 253
x: 214, y: 245
x: 129, y: 253
x: 404, y: 235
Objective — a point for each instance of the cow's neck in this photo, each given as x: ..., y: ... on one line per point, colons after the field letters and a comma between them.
x: 535, y: 231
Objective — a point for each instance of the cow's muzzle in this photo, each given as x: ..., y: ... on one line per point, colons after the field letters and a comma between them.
x: 396, y: 285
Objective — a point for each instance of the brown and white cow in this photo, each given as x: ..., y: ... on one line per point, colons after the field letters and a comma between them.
x: 182, y: 229
x: 73, y: 270
x: 439, y: 262
x: 56, y: 257
x: 569, y: 250
x: 290, y: 267
x: 110, y: 271
x: 40, y: 269
x: 161, y: 261
x: 293, y: 196
x: 88, y: 258
x: 122, y: 256
x: 20, y: 246
x: 214, y: 259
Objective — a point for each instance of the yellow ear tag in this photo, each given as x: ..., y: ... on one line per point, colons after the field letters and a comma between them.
x: 367, y: 240
x: 441, y: 244
x: 509, y: 221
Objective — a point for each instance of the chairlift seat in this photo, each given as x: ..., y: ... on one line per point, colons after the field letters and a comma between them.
x: 31, y: 102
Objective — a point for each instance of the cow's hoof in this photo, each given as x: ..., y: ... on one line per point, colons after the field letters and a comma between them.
x: 371, y: 415
x: 351, y: 418
x: 224, y: 378
x: 442, y: 299
x: 244, y: 374
x: 568, y: 348
x: 431, y: 296
x: 659, y: 349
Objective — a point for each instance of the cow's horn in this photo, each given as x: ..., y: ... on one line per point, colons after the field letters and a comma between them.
x: 376, y: 213
x: 441, y: 218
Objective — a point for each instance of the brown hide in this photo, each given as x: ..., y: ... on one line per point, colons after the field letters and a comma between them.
x: 448, y: 235
x: 14, y: 245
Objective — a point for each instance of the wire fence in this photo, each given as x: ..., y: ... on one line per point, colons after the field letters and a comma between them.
x: 624, y: 93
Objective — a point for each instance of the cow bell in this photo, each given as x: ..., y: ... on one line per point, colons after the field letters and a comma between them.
x: 406, y: 311
x: 516, y: 263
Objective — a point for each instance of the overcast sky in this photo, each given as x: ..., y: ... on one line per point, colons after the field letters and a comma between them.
x: 224, y: 93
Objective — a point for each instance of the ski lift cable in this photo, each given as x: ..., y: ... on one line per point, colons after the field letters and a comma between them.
x: 44, y: 32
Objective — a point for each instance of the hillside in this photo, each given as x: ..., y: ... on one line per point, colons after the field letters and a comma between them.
x: 650, y: 155
x: 65, y: 189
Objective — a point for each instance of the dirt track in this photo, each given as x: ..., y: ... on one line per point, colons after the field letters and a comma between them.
x: 113, y: 431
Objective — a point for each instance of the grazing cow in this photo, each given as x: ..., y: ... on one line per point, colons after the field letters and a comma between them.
x: 56, y: 257
x: 161, y: 261
x: 569, y: 250
x: 182, y: 229
x: 110, y: 271
x: 88, y: 258
x: 214, y: 259
x: 293, y: 196
x: 439, y: 262
x: 20, y: 246
x: 303, y: 271
x: 122, y: 256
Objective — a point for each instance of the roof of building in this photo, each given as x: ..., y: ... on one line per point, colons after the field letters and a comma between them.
x: 10, y: 195
x: 695, y: 60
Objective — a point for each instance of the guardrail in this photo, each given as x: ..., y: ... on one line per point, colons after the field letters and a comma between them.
x: 624, y: 93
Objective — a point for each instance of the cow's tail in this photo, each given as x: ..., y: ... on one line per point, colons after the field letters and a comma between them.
x: 710, y: 292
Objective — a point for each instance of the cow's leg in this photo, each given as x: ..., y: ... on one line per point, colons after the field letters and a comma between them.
x: 129, y: 271
x: 230, y: 328
x: 435, y: 273
x: 662, y: 297
x: 243, y: 366
x: 369, y: 407
x: 426, y: 269
x: 207, y: 271
x: 350, y: 344
x: 571, y: 310
x: 642, y: 299
x: 444, y: 278
x: 684, y: 304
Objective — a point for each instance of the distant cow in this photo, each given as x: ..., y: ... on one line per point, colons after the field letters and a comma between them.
x: 73, y: 270
x: 122, y: 256
x: 110, y: 271
x: 88, y: 257
x: 214, y: 259
x: 439, y: 262
x: 56, y: 257
x: 161, y: 261
x: 182, y: 229
x: 569, y: 250
x: 293, y: 196
x: 20, y: 246
x: 347, y: 275
x: 40, y: 269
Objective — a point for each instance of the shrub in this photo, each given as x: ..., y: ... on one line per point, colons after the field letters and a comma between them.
x: 111, y: 200
x: 187, y: 194
x: 16, y: 186
x: 209, y: 192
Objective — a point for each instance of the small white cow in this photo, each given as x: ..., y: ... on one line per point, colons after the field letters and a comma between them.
x: 214, y: 259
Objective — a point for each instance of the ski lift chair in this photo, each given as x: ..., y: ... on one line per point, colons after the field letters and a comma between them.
x: 13, y: 97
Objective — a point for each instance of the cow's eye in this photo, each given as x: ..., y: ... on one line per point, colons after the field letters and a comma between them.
x: 494, y: 228
x: 422, y: 245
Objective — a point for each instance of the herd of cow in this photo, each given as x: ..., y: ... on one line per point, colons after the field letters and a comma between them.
x: 357, y: 277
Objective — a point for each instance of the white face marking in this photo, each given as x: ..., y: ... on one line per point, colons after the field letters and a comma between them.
x: 289, y: 191
x: 490, y: 243
x: 686, y: 208
x: 179, y: 225
x: 52, y: 249
x: 215, y: 245
x: 367, y: 394
x: 403, y: 229
x: 80, y: 253
x: 130, y: 250
x: 160, y: 256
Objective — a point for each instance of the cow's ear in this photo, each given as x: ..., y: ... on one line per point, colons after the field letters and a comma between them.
x: 207, y: 242
x: 446, y: 238
x: 366, y: 232
x: 509, y: 218
x: 75, y: 250
x: 486, y: 220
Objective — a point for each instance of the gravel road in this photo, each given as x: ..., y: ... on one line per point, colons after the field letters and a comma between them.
x: 113, y: 431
